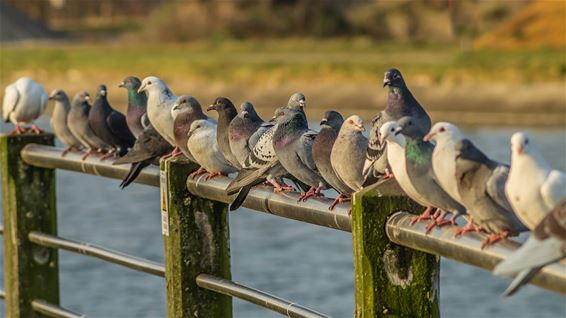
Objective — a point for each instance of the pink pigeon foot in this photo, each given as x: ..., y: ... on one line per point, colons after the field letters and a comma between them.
x: 197, y: 172
x: 468, y: 228
x: 86, y: 154
x: 494, y: 238
x: 19, y: 130
x: 423, y: 216
x: 212, y: 175
x: 339, y: 199
x: 313, y: 192
x: 36, y: 129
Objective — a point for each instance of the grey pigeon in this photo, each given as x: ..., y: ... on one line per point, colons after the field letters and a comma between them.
x: 147, y: 149
x: 203, y: 146
x: 482, y: 189
x: 160, y: 102
x: 185, y: 110
x: 348, y: 152
x: 418, y: 156
x: 24, y: 101
x: 136, y: 115
x: 79, y: 126
x: 59, y: 121
x: 400, y: 103
x: 321, y: 150
x: 244, y: 131
x: 109, y: 124
x: 533, y: 187
x: 546, y: 245
x: 292, y: 142
x: 226, y: 113
x: 445, y: 137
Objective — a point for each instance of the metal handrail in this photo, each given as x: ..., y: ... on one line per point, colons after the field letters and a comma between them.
x: 132, y: 262
x: 257, y: 297
x: 54, y: 311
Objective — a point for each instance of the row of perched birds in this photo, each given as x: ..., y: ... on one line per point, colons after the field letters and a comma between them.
x: 436, y: 166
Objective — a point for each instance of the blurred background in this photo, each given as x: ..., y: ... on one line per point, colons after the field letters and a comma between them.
x: 493, y: 67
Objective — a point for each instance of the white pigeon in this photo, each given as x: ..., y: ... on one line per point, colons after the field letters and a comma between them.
x: 160, y: 101
x: 445, y: 136
x: 24, y: 101
x: 390, y: 133
x: 533, y: 187
x: 203, y: 146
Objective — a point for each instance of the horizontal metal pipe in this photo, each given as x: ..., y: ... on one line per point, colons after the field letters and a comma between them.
x: 50, y: 157
x: 254, y: 296
x: 135, y: 263
x: 54, y: 311
x: 466, y: 249
x: 263, y: 199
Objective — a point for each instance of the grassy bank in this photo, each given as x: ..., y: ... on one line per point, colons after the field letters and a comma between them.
x: 333, y: 73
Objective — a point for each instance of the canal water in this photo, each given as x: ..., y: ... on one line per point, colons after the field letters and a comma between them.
x: 306, y: 264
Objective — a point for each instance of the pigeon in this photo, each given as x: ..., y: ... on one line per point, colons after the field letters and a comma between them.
x: 110, y: 125
x: 546, y: 245
x: 160, y: 101
x: 445, y: 136
x: 418, y: 159
x: 79, y: 126
x: 348, y: 152
x: 136, y: 115
x: 185, y: 110
x: 226, y: 113
x: 148, y: 148
x: 24, y: 101
x: 533, y: 187
x: 321, y: 150
x: 400, y: 102
x: 203, y: 146
x: 292, y: 142
x: 59, y: 121
x: 244, y: 131
x: 481, y: 184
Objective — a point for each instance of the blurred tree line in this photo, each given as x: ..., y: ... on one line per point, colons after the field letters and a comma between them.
x: 176, y: 20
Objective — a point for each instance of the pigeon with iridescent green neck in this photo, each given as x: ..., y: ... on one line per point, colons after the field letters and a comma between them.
x: 244, y: 132
x: 136, y: 115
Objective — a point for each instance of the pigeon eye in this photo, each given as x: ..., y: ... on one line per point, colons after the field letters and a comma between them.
x: 526, y: 141
x: 149, y: 83
x: 441, y: 129
x: 392, y: 130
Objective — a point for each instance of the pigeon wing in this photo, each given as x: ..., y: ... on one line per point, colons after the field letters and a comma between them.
x: 11, y: 98
x: 553, y: 189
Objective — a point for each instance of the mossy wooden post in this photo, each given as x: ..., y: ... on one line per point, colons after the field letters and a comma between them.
x: 390, y: 280
x: 196, y: 239
x: 28, y: 199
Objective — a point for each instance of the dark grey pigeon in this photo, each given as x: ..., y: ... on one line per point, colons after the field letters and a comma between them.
x: 226, y: 113
x: 59, y: 121
x: 136, y: 115
x: 80, y: 127
x: 186, y: 109
x: 400, y: 103
x: 321, y: 149
x: 292, y: 142
x: 418, y: 160
x: 147, y: 149
x: 244, y: 131
x: 110, y: 125
x: 481, y: 184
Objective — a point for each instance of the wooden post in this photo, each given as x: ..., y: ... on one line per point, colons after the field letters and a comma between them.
x: 390, y: 280
x: 196, y: 240
x: 29, y: 203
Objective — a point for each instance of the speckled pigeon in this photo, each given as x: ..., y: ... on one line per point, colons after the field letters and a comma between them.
x: 226, y: 113
x: 400, y: 102
x: 244, y: 132
x: 136, y: 115
x: 59, y: 121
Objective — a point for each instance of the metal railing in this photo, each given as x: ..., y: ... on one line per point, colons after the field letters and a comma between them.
x: 315, y: 211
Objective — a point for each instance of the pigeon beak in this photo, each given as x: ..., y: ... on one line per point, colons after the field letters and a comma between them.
x: 244, y: 112
x: 103, y: 92
x: 428, y: 136
x: 87, y: 97
x: 141, y: 89
x: 386, y: 82
x: 302, y: 103
x: 398, y: 130
x: 175, y: 106
x: 520, y: 149
x: 323, y: 121
x: 361, y: 128
x: 459, y: 155
x: 122, y: 85
x: 211, y: 107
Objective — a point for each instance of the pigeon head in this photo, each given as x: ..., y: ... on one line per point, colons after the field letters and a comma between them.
x: 466, y: 150
x: 297, y: 101
x: 131, y: 83
x: 247, y: 110
x: 442, y: 131
x: 101, y: 91
x: 393, y: 78
x: 221, y: 104
x: 409, y: 127
x: 285, y: 115
x: 185, y: 103
x: 198, y: 125
x: 391, y: 132
x: 81, y: 97
x: 354, y: 123
x: 520, y: 143
x: 58, y: 95
x: 332, y: 119
x: 152, y: 84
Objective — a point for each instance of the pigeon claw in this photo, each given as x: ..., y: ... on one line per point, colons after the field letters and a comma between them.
x: 313, y: 192
x: 200, y: 170
x: 388, y: 174
x: 19, y: 130
x: 212, y: 175
x: 468, y: 228
x: 86, y: 154
x: 339, y: 199
x: 494, y: 238
x: 424, y: 216
x: 36, y: 129
x: 438, y: 221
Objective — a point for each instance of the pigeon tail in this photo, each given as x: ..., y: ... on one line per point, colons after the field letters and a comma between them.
x: 240, y: 198
x: 133, y: 173
x: 520, y: 280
